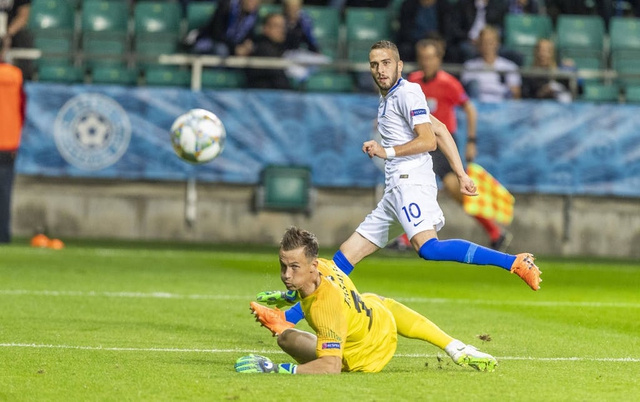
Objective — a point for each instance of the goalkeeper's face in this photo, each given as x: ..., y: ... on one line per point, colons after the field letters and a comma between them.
x: 299, y: 272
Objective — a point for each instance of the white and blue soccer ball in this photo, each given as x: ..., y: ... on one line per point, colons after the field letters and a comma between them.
x: 198, y: 136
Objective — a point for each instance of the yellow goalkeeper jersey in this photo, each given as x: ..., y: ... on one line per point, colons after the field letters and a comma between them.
x: 358, y: 328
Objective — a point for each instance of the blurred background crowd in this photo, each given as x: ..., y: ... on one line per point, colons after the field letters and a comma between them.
x: 499, y: 49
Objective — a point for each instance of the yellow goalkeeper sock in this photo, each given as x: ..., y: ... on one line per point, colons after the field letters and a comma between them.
x: 413, y: 325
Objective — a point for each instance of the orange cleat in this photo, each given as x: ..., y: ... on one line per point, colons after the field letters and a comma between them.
x: 40, y: 240
x: 271, y: 318
x: 526, y: 269
x: 56, y: 244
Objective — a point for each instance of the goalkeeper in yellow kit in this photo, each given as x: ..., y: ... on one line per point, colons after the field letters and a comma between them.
x: 353, y: 331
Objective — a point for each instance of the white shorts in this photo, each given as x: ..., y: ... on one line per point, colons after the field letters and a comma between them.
x: 415, y: 207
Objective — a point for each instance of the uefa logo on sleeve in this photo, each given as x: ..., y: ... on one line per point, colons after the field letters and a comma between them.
x: 92, y: 131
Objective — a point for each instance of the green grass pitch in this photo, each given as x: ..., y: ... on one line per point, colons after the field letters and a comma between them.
x: 155, y: 322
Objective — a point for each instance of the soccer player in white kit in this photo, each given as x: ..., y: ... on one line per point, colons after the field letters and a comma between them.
x: 410, y: 197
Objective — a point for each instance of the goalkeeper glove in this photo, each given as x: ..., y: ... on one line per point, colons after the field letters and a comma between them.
x: 260, y: 364
x: 278, y: 298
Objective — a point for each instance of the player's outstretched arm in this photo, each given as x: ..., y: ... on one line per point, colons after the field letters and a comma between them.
x: 450, y: 151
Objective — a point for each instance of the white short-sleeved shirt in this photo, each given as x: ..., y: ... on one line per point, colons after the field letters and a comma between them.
x: 493, y: 81
x: 404, y: 107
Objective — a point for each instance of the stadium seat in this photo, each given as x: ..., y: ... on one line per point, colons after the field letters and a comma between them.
x: 51, y: 23
x: 365, y: 26
x: 580, y: 35
x: 114, y: 75
x: 326, y: 28
x: 104, y: 32
x: 51, y: 14
x: 600, y: 93
x: 632, y: 94
x: 157, y: 75
x: 284, y: 188
x: 156, y: 28
x: 219, y: 78
x: 329, y: 82
x: 61, y: 74
x: 627, y: 63
x: 522, y: 31
x: 199, y: 13
x: 624, y: 34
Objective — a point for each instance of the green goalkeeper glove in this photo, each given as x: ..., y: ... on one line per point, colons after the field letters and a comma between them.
x: 278, y: 298
x: 260, y: 364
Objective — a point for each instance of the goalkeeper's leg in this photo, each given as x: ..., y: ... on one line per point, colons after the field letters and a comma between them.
x: 413, y: 325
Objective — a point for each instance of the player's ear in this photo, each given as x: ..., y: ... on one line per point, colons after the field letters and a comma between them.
x: 400, y: 66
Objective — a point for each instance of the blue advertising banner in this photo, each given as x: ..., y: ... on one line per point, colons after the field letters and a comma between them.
x: 96, y: 131
x: 118, y: 132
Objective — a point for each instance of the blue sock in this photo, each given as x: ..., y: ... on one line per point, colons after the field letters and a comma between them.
x: 294, y: 314
x: 465, y: 252
x: 342, y: 262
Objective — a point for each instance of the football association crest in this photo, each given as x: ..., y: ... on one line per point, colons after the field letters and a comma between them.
x: 92, y: 131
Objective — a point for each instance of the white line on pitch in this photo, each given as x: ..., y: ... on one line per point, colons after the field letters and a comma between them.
x: 166, y: 295
x: 268, y: 351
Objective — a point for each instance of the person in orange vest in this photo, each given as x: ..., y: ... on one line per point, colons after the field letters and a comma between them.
x: 12, y: 115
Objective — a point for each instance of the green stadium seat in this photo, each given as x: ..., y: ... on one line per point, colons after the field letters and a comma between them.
x: 167, y: 76
x: 624, y: 34
x: 365, y: 26
x: 580, y: 35
x: 60, y: 74
x: 51, y: 23
x: 114, y: 75
x: 157, y: 30
x: 104, y: 32
x: 627, y: 63
x: 522, y: 32
x: 284, y: 188
x: 329, y: 82
x: 326, y: 28
x: 199, y: 13
x: 56, y: 50
x: 220, y: 79
x: 600, y: 93
x: 51, y: 14
x: 632, y: 94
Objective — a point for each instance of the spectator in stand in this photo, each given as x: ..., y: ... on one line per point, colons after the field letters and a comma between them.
x: 230, y: 30
x: 270, y: 44
x: 299, y: 27
x: 470, y: 17
x: 17, y: 34
x: 12, y: 112
x: 421, y: 19
x: 547, y: 87
x: 366, y: 3
x: 525, y: 7
x: 490, y: 77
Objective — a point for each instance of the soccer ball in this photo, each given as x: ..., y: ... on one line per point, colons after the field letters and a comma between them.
x: 198, y: 136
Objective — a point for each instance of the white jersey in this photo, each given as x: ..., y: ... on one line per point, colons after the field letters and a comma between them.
x: 403, y: 108
x: 493, y: 81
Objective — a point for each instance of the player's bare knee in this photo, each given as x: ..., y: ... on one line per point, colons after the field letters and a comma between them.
x: 286, y: 338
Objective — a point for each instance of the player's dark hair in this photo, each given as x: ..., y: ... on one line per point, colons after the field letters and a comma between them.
x: 386, y: 44
x: 295, y: 238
